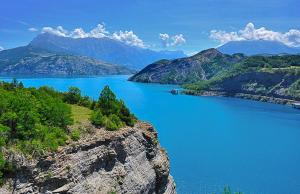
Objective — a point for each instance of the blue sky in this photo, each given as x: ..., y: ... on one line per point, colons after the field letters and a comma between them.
x: 191, y: 20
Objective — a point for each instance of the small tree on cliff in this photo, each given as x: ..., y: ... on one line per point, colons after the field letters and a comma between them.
x: 110, y: 112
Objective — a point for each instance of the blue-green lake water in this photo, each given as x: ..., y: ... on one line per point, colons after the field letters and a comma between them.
x: 212, y: 141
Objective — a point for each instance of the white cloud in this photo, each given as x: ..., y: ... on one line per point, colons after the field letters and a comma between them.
x: 32, y: 29
x: 178, y: 40
x: 99, y: 31
x: 290, y: 38
x: 129, y: 38
x: 1, y: 48
x: 168, y: 40
x: 78, y: 33
x: 59, y: 31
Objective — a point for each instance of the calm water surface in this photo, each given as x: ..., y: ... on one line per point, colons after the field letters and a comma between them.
x: 212, y: 141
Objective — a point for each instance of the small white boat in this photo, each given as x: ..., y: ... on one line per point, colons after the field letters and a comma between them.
x: 296, y: 105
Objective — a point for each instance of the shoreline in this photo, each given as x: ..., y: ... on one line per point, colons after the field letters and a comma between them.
x: 282, y: 101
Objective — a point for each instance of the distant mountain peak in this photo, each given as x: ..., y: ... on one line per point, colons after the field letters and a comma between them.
x: 256, y: 47
x: 209, y: 53
x: 105, y: 49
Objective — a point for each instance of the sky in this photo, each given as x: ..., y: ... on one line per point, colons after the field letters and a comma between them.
x: 188, y: 25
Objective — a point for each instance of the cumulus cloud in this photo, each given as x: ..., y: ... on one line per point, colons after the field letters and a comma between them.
x: 290, y: 38
x: 59, y: 31
x: 129, y: 38
x: 168, y: 40
x: 1, y: 48
x: 99, y: 31
x: 78, y: 33
x: 32, y: 29
x: 178, y: 40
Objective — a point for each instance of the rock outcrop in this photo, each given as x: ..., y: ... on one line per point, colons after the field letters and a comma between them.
x: 126, y: 161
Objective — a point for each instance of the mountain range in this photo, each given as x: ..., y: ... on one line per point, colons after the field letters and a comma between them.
x: 49, y: 54
x: 258, y: 47
x: 105, y: 49
x: 32, y: 61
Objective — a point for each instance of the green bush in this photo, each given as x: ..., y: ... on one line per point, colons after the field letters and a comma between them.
x: 98, y: 118
x: 73, y: 96
x: 111, y: 113
x: 75, y: 135
x: 32, y: 120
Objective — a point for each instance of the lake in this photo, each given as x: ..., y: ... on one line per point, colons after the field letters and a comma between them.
x: 212, y: 141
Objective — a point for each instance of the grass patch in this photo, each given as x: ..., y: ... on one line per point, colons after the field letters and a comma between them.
x: 80, y: 114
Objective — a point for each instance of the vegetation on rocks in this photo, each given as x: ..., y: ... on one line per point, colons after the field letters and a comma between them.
x: 35, y: 121
x: 201, y: 66
x: 31, y: 120
x: 111, y: 113
x: 275, y: 76
x: 211, y: 71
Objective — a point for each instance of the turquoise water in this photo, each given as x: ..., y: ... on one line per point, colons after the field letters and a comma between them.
x: 212, y: 141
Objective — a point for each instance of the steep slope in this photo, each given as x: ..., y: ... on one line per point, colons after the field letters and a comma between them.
x: 34, y: 61
x: 257, y: 47
x: 201, y: 66
x: 105, y: 49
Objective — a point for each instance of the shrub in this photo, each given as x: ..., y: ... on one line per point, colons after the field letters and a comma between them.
x: 75, y: 135
x: 98, y: 118
x: 73, y: 96
x: 111, y: 113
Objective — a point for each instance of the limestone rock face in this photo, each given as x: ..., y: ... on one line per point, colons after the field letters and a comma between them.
x: 126, y: 161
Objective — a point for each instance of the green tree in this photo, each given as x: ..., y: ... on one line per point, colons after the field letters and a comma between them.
x: 111, y: 113
x: 10, y: 119
x: 73, y: 95
x: 107, y: 101
x: 98, y: 119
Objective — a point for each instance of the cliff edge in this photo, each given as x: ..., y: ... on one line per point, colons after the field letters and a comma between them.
x: 129, y: 160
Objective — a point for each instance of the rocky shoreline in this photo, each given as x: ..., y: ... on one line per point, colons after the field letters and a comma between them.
x: 104, y: 162
x: 261, y: 98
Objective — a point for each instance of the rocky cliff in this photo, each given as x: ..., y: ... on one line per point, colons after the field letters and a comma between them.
x: 126, y: 161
